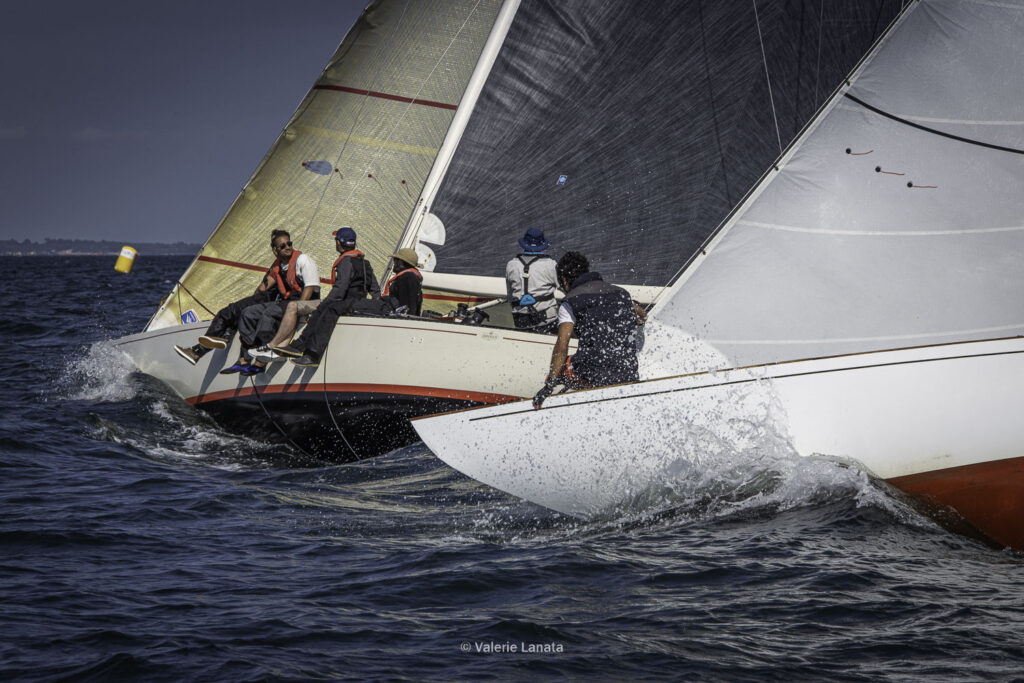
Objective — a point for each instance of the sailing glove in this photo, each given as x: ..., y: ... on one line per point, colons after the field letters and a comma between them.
x: 546, y: 390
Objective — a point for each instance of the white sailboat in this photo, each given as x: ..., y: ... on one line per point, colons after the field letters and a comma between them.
x: 450, y: 126
x: 864, y: 302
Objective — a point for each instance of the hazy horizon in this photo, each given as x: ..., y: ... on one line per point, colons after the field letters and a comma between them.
x: 131, y: 122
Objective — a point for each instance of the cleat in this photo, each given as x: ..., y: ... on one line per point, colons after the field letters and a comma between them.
x: 188, y: 354
x: 250, y: 370
x: 264, y: 354
x: 306, y: 361
x: 237, y: 367
x: 289, y: 350
x: 213, y: 342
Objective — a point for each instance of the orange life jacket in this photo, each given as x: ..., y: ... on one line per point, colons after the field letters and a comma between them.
x: 348, y: 254
x: 387, y: 287
x: 292, y: 286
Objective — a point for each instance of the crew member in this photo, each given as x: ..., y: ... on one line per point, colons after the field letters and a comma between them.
x: 405, y: 286
x: 296, y: 278
x: 530, y: 281
x: 228, y: 319
x: 604, y: 319
x: 352, y: 280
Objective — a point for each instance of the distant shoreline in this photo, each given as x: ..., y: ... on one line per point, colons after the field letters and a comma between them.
x: 62, y: 247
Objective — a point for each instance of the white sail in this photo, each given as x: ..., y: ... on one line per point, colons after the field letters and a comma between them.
x: 897, y: 220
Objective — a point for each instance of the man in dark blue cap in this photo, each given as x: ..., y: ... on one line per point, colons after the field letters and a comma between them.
x: 530, y: 281
x: 352, y: 279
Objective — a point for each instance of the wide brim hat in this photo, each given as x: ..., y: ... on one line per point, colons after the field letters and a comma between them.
x: 534, y: 240
x: 408, y: 255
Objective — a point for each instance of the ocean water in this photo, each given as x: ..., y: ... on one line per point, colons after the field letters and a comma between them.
x: 138, y: 540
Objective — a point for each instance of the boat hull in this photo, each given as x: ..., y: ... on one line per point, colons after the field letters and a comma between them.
x: 940, y: 422
x: 376, y: 374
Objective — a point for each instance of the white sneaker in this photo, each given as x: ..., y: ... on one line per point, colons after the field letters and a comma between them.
x: 265, y: 354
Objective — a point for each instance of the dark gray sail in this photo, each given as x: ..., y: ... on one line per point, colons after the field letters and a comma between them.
x: 629, y: 130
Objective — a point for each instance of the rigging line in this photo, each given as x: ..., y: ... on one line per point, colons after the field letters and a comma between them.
x: 409, y: 106
x: 767, y: 78
x: 817, y: 67
x: 714, y: 108
x: 878, y: 17
x: 182, y: 286
x: 259, y: 399
x: 355, y: 120
x: 799, y: 69
x: 906, y: 122
x: 327, y: 400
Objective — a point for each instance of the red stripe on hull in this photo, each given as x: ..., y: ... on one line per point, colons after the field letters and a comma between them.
x: 320, y: 388
x: 989, y: 495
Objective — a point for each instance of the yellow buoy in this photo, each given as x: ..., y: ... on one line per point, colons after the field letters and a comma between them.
x: 125, y: 259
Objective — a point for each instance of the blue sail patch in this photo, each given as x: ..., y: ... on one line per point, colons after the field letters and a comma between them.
x: 318, y: 167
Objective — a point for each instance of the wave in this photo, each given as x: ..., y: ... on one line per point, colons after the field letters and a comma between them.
x: 102, y: 374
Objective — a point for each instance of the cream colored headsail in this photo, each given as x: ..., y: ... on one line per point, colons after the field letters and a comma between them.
x: 356, y: 152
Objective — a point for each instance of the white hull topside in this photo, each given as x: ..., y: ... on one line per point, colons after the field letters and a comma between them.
x: 893, y: 413
x: 417, y: 357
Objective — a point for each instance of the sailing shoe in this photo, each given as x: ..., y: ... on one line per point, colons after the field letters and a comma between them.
x: 264, y: 354
x: 213, y: 342
x: 289, y: 350
x: 188, y: 354
x: 306, y: 361
x: 250, y: 370
x: 237, y: 367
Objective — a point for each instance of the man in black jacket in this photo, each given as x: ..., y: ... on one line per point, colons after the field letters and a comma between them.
x: 404, y: 288
x: 604, y: 318
x: 352, y: 279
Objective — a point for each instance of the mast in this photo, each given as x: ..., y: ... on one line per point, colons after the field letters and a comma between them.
x: 458, y: 126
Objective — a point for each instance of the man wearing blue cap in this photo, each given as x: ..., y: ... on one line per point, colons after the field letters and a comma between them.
x: 531, y: 281
x: 352, y: 280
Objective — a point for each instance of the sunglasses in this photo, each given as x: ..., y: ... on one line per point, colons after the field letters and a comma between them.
x: 278, y: 247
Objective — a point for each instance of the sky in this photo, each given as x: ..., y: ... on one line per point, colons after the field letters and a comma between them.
x: 131, y: 120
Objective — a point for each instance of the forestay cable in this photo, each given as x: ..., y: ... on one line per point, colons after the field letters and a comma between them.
x: 764, y: 60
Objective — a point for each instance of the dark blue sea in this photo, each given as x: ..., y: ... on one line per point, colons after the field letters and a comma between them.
x: 138, y: 540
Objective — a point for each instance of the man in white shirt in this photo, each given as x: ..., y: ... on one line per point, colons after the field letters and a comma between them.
x: 530, y: 282
x: 296, y: 278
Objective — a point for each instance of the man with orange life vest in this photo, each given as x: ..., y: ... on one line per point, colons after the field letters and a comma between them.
x: 405, y: 288
x: 226, y: 322
x: 352, y: 280
x: 296, y: 279
x: 402, y: 292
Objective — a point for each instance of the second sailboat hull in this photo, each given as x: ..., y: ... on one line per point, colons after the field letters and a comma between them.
x: 941, y: 422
